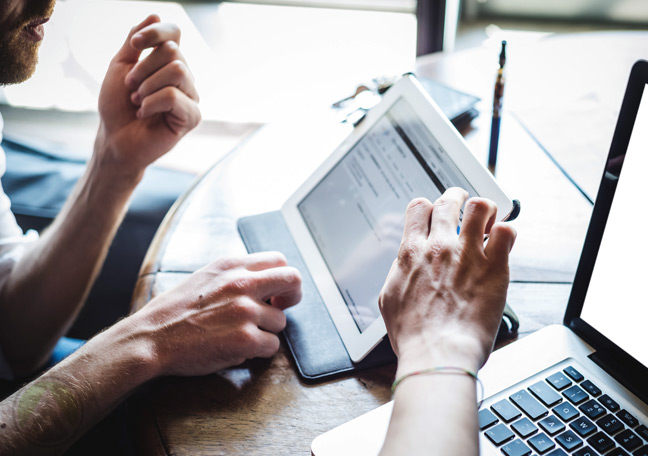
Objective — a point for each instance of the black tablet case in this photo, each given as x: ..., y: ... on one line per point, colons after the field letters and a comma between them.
x: 310, y: 333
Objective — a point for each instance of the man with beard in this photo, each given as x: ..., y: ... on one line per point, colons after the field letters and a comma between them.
x: 217, y: 318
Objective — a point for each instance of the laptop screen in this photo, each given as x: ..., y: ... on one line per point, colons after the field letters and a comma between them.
x: 616, y: 300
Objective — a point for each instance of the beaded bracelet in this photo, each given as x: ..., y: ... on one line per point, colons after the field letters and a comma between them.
x: 446, y: 370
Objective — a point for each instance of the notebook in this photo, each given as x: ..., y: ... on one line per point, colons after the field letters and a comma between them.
x: 581, y: 387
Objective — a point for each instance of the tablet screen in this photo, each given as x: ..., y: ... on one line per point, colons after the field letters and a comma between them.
x: 356, y: 213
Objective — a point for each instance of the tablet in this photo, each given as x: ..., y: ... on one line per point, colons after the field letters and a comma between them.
x: 348, y: 217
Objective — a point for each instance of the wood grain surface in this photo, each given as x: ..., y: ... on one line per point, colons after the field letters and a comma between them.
x: 262, y: 407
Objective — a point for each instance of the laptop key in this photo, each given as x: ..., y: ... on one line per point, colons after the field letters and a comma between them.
x: 566, y: 411
x: 573, y: 373
x: 576, y: 395
x: 505, y: 410
x: 628, y: 440
x: 524, y: 427
x: 610, y: 424
x: 486, y: 419
x: 642, y: 431
x: 551, y: 425
x: 557, y: 452
x: 601, y: 442
x: 592, y: 409
x: 591, y: 388
x: 609, y: 403
x: 583, y: 427
x: 643, y: 451
x: 528, y: 404
x: 499, y: 434
x: 545, y: 393
x: 559, y: 381
x: 541, y: 443
x: 587, y: 451
x: 627, y: 418
x: 569, y: 441
x: 617, y: 452
x: 516, y: 448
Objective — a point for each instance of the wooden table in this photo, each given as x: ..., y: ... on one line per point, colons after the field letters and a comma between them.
x: 262, y: 407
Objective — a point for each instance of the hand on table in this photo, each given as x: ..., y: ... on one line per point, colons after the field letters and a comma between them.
x: 219, y: 316
x: 445, y: 293
x: 146, y: 105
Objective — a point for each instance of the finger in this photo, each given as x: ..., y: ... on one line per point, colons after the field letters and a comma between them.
x: 164, y: 54
x: 417, y: 220
x: 271, y: 318
x: 174, y: 74
x: 446, y: 211
x: 478, y: 218
x: 281, y: 285
x: 264, y: 260
x: 128, y: 53
x: 182, y: 112
x: 501, y: 240
x: 267, y: 344
x: 155, y: 34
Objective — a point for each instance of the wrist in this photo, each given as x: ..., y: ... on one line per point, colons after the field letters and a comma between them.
x: 456, y: 350
x: 104, y: 162
x: 131, y: 346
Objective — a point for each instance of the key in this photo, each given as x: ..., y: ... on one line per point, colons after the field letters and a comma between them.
x: 569, y: 441
x: 486, y: 419
x: 601, y: 442
x: 524, y: 427
x: 566, y: 411
x: 545, y: 393
x: 609, y: 403
x: 575, y: 395
x: 559, y: 381
x: 583, y: 426
x: 591, y: 388
x: 528, y: 404
x: 541, y: 443
x: 505, y: 410
x: 516, y: 448
x: 573, y: 373
x: 587, y: 451
x: 551, y: 425
x: 628, y: 440
x: 610, y: 424
x: 499, y: 434
x: 643, y: 451
x: 642, y: 431
x: 592, y: 409
x: 627, y: 418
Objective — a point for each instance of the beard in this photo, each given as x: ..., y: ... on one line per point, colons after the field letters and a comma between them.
x: 18, y: 58
x: 18, y: 54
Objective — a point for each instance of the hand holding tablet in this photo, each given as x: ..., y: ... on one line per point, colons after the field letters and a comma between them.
x: 346, y: 220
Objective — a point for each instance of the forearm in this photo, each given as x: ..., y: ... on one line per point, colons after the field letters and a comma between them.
x: 49, y: 414
x: 47, y: 288
x: 433, y: 413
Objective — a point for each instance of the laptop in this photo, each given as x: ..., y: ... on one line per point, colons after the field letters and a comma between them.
x: 578, y: 388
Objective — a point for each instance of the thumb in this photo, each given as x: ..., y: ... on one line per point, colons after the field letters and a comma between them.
x: 128, y: 53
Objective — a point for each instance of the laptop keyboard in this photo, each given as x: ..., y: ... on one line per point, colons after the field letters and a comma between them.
x: 561, y: 415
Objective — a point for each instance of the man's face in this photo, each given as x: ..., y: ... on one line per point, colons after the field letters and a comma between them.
x: 21, y: 31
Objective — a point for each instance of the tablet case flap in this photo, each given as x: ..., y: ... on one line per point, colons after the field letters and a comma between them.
x: 311, y: 335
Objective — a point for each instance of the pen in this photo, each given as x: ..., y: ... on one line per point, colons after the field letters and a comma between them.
x: 497, y: 109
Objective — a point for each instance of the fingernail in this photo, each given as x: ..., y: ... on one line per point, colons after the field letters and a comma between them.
x: 136, y: 98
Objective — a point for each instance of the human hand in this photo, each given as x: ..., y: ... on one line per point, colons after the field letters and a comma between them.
x: 444, y: 296
x: 219, y: 317
x: 146, y: 105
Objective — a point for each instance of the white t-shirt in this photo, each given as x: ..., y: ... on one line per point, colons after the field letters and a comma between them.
x: 12, y: 244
